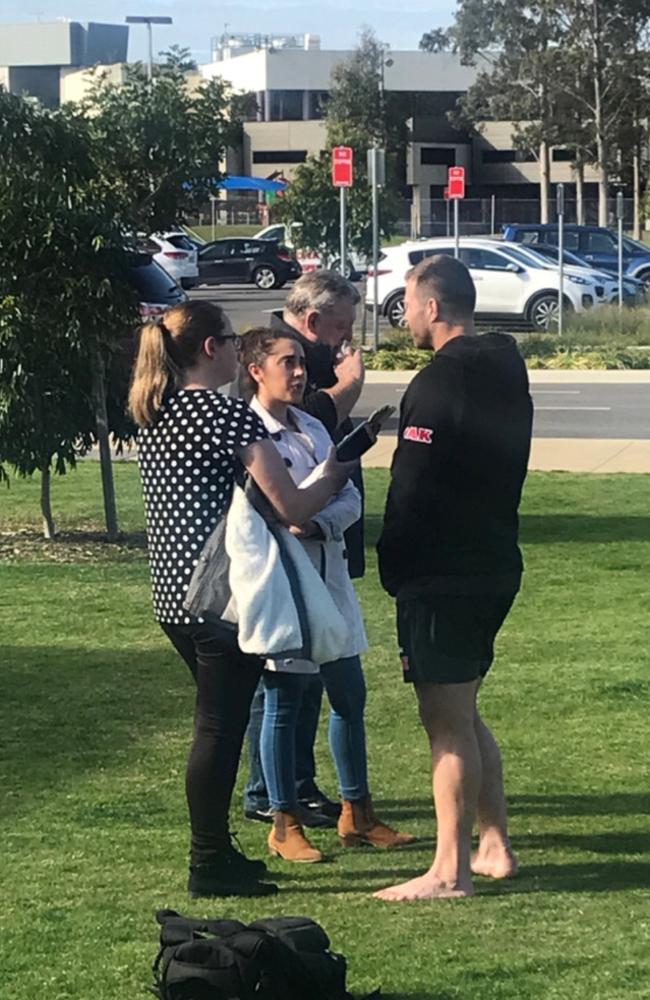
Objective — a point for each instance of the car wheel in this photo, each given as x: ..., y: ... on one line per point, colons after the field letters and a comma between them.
x: 395, y: 311
x: 644, y: 276
x: 265, y: 278
x: 350, y: 272
x: 543, y: 312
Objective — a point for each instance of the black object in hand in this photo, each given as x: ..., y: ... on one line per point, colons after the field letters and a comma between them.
x: 361, y: 439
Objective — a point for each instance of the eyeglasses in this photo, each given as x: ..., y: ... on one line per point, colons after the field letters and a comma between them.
x: 236, y: 340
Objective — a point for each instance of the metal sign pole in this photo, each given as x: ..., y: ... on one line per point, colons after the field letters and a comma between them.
x: 344, y: 255
x: 375, y: 249
x: 448, y: 210
x: 620, y: 211
x: 456, y: 232
x: 493, y: 214
x: 213, y: 213
x: 560, y: 229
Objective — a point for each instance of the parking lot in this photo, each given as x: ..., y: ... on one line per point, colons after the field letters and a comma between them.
x: 248, y: 306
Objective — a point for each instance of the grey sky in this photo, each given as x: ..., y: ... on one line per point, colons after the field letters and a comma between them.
x: 195, y: 21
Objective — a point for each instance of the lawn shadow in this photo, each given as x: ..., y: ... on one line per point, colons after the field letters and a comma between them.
x: 68, y: 712
x: 544, y: 529
x: 612, y: 804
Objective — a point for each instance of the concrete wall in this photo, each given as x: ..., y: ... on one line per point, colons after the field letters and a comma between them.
x: 294, y: 69
x: 75, y: 83
x: 38, y: 44
x: 498, y: 135
x: 280, y: 136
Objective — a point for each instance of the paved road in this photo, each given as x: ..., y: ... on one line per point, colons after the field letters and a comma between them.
x: 561, y: 411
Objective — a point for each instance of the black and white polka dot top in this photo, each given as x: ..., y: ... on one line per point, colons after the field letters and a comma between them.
x: 187, y: 462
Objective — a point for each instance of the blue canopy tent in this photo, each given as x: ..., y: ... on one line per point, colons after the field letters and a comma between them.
x: 230, y: 183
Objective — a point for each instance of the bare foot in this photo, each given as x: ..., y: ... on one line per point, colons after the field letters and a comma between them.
x: 427, y: 886
x: 495, y: 862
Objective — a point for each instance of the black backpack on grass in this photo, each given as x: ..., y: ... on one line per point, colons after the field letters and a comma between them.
x: 282, y: 958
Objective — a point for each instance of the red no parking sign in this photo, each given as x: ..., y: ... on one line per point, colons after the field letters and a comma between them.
x: 342, y: 166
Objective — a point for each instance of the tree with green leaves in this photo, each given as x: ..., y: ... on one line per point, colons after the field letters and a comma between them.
x: 64, y: 295
x: 436, y: 40
x: 518, y: 50
x: 158, y: 144
x: 358, y: 114
x: 177, y: 58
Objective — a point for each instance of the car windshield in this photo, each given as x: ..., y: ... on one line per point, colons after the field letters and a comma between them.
x: 527, y: 257
x: 553, y: 253
x: 634, y: 246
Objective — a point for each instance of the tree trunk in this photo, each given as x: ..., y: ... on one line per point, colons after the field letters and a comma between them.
x: 544, y: 182
x: 637, y: 195
x: 101, y: 421
x: 579, y: 170
x: 49, y: 528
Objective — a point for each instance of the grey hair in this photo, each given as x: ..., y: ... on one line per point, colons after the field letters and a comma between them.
x: 322, y: 291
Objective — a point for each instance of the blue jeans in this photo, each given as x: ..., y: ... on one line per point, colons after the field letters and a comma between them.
x: 344, y: 682
x: 255, y: 793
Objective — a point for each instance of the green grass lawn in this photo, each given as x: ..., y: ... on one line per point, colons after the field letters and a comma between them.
x: 96, y: 717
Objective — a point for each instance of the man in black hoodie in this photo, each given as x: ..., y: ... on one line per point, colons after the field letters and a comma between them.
x: 449, y: 553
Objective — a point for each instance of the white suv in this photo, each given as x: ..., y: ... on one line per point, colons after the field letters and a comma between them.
x: 509, y: 284
x: 178, y: 256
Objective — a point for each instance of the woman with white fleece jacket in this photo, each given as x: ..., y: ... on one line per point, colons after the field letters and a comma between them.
x: 273, y: 363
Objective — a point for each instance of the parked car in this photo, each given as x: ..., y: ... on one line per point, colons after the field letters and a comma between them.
x: 357, y: 265
x: 598, y: 246
x: 266, y: 263
x: 178, y: 255
x: 509, y: 286
x: 156, y: 290
x: 634, y: 292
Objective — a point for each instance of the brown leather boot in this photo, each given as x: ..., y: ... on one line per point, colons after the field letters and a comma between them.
x: 287, y: 840
x: 359, y: 826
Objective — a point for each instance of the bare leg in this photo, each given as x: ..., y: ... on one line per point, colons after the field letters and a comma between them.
x: 494, y: 856
x: 447, y: 714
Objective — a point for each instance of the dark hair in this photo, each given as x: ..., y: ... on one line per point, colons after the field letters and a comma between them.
x: 448, y: 281
x: 167, y: 347
x: 257, y: 344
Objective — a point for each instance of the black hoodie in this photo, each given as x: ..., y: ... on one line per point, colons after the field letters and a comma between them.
x: 451, y: 523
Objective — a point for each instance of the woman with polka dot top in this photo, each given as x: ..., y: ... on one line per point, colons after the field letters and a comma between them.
x: 190, y: 443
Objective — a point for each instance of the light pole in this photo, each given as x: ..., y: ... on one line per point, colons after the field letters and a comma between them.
x: 149, y: 21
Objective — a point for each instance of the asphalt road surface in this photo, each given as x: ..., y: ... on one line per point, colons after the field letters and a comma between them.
x: 562, y: 410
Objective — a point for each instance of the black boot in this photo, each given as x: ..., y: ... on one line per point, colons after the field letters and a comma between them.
x: 225, y: 877
x: 250, y: 866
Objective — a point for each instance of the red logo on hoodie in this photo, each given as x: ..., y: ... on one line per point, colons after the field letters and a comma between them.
x: 423, y: 435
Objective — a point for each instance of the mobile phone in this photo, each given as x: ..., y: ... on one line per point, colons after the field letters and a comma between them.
x: 361, y: 439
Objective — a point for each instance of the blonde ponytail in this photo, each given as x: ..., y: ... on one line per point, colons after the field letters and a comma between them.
x: 150, y: 375
x: 167, y: 349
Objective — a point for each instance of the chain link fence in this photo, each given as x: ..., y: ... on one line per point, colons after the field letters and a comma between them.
x: 487, y: 215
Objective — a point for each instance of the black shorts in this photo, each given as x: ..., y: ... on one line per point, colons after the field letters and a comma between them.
x: 449, y: 639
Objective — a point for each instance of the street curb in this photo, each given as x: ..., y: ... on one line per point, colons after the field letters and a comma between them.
x: 574, y: 376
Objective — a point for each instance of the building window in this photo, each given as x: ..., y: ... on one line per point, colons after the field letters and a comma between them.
x: 506, y: 156
x: 437, y: 156
x: 563, y: 155
x: 317, y: 101
x: 280, y: 156
x: 286, y: 105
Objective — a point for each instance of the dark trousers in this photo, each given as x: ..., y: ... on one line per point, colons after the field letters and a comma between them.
x: 225, y: 681
x: 256, y: 795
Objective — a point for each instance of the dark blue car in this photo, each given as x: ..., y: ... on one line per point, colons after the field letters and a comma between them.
x: 597, y: 245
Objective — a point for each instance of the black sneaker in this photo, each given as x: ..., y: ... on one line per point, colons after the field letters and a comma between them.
x: 320, y: 804
x: 260, y: 815
x: 223, y: 878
